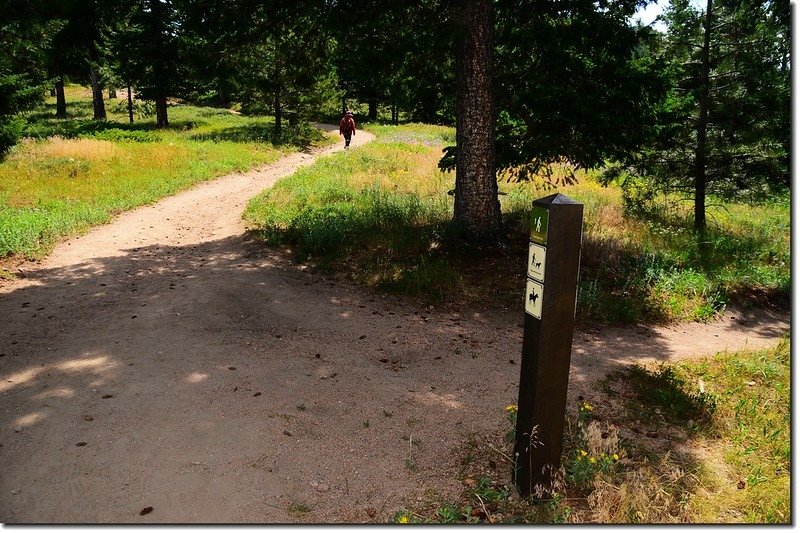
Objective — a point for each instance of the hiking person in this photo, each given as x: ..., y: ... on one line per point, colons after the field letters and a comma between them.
x: 347, y: 127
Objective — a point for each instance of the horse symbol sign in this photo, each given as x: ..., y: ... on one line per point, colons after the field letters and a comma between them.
x: 533, y: 298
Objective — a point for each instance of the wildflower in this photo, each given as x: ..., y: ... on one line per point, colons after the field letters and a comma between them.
x: 615, y: 457
x: 592, y: 460
x: 511, y: 408
x: 403, y: 519
x: 586, y: 407
x: 583, y: 453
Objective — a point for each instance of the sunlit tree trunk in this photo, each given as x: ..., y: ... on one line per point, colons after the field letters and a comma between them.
x: 476, y: 205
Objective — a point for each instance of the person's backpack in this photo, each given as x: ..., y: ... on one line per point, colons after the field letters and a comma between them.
x: 347, y: 125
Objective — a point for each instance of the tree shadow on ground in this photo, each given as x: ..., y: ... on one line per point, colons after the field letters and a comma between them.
x: 192, y: 363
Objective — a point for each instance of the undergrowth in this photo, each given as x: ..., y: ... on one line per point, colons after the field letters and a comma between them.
x: 381, y: 215
x: 703, y: 442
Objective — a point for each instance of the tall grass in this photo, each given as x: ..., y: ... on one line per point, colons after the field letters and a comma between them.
x: 382, y: 214
x: 383, y: 206
x: 732, y: 414
x: 700, y: 442
x: 71, y: 174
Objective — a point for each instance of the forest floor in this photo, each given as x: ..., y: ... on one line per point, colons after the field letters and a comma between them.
x: 164, y: 368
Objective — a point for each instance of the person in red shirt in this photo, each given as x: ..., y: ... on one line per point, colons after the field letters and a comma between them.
x: 347, y: 127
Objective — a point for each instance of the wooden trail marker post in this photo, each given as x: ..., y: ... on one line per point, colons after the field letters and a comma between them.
x: 550, y: 305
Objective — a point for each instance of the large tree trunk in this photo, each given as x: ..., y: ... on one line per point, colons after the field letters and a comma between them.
x: 61, y: 100
x: 701, y: 149
x: 97, y: 97
x: 476, y: 205
x: 162, y: 121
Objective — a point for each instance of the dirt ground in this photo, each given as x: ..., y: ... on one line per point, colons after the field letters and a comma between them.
x: 163, y: 361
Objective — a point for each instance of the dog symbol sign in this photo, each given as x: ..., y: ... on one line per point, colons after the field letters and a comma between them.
x: 536, y: 261
x: 533, y: 298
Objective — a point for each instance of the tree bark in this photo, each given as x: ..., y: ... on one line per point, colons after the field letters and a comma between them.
x: 477, y: 208
x: 701, y: 150
x: 61, y: 101
x: 277, y: 114
x: 97, y: 97
x: 162, y: 120
x: 130, y: 104
x: 373, y: 109
x: 52, y: 91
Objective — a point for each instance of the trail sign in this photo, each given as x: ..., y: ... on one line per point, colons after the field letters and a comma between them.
x: 537, y: 256
x: 533, y: 298
x: 550, y: 292
x: 539, y: 219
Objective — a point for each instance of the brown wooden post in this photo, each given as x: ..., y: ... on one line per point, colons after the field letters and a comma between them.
x: 550, y: 300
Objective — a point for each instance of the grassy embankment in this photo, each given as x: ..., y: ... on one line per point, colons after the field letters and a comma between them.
x: 73, y: 173
x: 380, y: 214
x: 706, y: 441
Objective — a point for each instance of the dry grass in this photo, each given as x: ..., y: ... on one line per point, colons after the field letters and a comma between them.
x: 647, y: 494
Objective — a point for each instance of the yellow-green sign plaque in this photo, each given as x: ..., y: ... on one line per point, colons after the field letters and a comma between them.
x: 539, y: 217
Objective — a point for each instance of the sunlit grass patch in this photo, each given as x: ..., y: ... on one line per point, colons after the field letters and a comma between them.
x: 373, y: 206
x: 730, y: 415
x: 70, y: 174
x: 382, y: 214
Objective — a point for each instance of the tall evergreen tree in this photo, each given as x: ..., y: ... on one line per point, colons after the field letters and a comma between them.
x: 146, y: 44
x: 725, y: 127
x: 284, y: 52
x: 573, y: 83
x: 24, y: 35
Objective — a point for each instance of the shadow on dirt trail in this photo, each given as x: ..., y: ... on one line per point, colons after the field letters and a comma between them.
x: 223, y: 383
x: 216, y: 384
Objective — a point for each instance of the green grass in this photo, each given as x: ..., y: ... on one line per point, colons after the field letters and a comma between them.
x: 700, y: 441
x: 71, y: 174
x: 386, y: 199
x: 381, y: 214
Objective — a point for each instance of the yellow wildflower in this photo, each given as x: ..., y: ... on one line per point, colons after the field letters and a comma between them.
x: 403, y: 519
x: 583, y: 453
x: 586, y: 407
x: 511, y: 408
x: 592, y: 460
x: 616, y: 457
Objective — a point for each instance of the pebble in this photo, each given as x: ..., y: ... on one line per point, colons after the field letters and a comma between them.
x: 322, y: 487
x: 18, y: 429
x: 287, y: 432
x: 15, y: 491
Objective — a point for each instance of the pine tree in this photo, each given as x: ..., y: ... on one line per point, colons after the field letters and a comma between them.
x: 724, y: 130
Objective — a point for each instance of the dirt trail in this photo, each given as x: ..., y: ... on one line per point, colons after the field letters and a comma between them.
x: 164, y: 361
